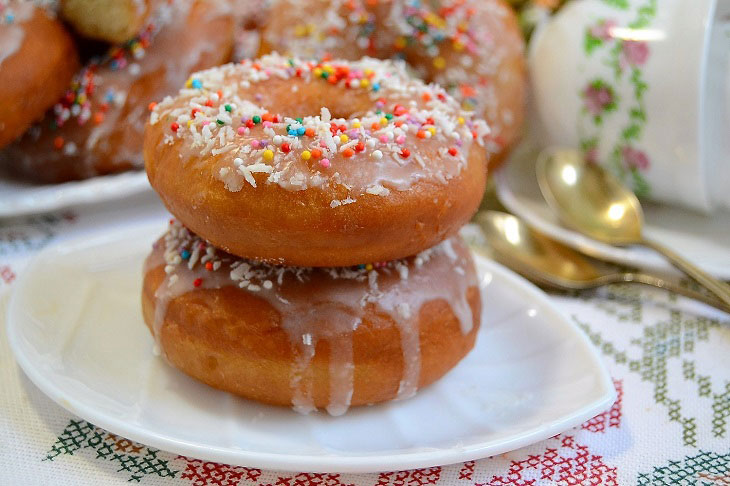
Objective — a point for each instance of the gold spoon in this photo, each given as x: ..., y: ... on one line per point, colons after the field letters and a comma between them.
x: 592, y: 201
x: 549, y: 263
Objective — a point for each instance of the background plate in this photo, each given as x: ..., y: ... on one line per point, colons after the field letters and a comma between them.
x: 75, y: 327
x: 19, y: 198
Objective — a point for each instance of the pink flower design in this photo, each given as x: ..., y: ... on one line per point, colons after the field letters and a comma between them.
x: 597, y: 98
x: 603, y: 29
x: 636, y: 52
x: 635, y: 158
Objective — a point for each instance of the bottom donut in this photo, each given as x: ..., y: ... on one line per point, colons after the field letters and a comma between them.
x: 310, y: 338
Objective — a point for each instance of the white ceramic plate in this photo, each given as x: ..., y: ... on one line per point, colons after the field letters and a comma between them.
x: 19, y: 198
x: 74, y: 325
x: 703, y: 239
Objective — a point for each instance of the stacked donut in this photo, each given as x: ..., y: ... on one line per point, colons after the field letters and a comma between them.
x: 314, y: 260
x: 62, y: 123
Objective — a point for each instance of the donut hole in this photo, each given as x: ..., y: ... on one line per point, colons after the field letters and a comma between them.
x: 307, y: 99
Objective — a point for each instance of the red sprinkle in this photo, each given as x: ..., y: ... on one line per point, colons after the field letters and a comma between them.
x: 453, y: 152
x: 405, y: 153
x: 197, y: 282
x: 174, y: 127
x: 359, y: 147
x: 285, y: 148
x: 209, y: 103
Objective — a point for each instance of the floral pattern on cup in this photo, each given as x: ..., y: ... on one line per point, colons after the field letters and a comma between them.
x: 626, y: 57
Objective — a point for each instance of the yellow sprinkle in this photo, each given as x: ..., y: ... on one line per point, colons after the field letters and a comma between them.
x: 344, y: 138
x: 268, y: 154
x: 190, y: 122
x: 356, y: 125
x: 306, y: 155
x: 401, y: 42
x: 189, y: 83
x: 432, y: 130
x: 317, y: 72
x: 439, y: 62
x: 364, y: 83
x: 300, y: 30
x: 368, y: 72
x: 458, y: 45
x: 363, y: 18
x: 435, y: 20
x: 369, y: 267
x: 460, y: 120
x: 383, y: 121
x: 329, y: 69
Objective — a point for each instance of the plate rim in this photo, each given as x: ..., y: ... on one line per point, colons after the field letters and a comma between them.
x: 578, y: 241
x: 87, y: 191
x: 327, y: 463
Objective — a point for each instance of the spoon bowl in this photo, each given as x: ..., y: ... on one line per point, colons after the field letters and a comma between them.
x: 589, y: 198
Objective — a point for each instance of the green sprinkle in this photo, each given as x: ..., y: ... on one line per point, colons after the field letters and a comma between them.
x: 228, y: 108
x: 389, y: 116
x: 256, y: 119
x: 220, y: 122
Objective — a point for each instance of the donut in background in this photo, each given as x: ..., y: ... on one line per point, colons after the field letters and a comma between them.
x: 474, y: 48
x: 97, y: 126
x: 37, y: 61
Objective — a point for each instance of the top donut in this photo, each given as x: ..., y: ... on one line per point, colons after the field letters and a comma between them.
x: 316, y: 164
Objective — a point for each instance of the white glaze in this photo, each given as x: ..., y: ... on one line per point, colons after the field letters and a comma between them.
x: 326, y: 304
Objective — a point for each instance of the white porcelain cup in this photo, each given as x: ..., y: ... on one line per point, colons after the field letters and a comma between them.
x: 644, y: 87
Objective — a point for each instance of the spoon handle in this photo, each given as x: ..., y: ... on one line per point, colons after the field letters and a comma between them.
x: 712, y: 284
x: 670, y: 286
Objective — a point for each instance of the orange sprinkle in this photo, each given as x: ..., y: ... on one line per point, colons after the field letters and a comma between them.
x: 98, y: 117
x: 426, y: 97
x: 58, y: 142
x: 348, y: 152
x: 309, y: 132
x: 421, y: 134
x: 316, y: 153
x: 151, y: 106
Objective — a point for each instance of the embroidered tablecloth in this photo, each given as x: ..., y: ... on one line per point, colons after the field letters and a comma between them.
x: 669, y: 358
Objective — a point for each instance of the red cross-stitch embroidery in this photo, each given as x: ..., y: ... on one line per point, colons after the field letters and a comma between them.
x: 202, y: 473
x: 610, y: 418
x: 414, y: 477
x: 467, y: 470
x: 7, y: 274
x: 309, y: 479
x: 564, y: 462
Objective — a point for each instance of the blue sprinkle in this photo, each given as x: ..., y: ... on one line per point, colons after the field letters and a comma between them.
x: 361, y: 267
x: 185, y: 254
x: 109, y: 96
x: 10, y: 18
x: 293, y: 132
x: 301, y: 131
x: 376, y: 87
x: 197, y: 84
